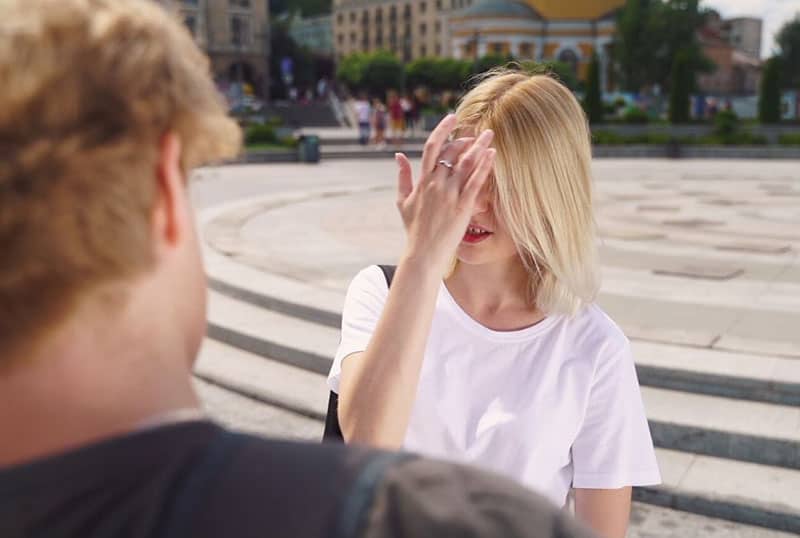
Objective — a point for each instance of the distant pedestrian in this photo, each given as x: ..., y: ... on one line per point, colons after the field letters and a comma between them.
x: 398, y: 119
x: 363, y: 112
x: 379, y: 123
x: 408, y: 109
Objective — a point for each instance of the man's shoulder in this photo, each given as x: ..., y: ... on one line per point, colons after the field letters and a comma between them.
x: 423, y: 497
x: 311, y: 489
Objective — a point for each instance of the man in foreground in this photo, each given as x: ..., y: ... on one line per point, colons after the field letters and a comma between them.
x: 105, y: 107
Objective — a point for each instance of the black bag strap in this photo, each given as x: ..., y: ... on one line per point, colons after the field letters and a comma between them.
x: 196, y: 484
x: 333, y: 431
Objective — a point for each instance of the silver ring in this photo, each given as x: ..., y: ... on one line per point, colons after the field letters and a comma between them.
x: 446, y: 164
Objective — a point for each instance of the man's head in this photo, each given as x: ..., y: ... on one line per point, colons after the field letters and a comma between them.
x: 105, y: 106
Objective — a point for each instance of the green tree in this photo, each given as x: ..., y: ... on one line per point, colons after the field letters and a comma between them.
x: 453, y: 74
x: 681, y: 88
x: 490, y: 61
x: 769, y: 99
x: 788, y: 40
x: 634, y: 43
x: 351, y: 70
x: 382, y: 72
x: 649, y: 35
x: 423, y: 72
x: 563, y: 72
x: 593, y: 103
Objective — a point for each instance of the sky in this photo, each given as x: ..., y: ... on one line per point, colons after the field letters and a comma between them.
x: 774, y: 13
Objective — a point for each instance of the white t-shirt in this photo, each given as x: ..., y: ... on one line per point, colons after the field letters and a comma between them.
x: 362, y: 109
x: 554, y: 406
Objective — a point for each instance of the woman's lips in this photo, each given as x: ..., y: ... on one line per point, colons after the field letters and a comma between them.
x: 476, y: 234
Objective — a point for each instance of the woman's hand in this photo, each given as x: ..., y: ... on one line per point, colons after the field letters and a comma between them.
x: 437, y: 209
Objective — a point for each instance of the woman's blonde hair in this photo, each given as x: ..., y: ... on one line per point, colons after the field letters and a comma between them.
x: 542, y: 185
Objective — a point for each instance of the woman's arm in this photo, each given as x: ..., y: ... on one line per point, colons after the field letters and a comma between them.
x: 605, y: 511
x: 378, y: 386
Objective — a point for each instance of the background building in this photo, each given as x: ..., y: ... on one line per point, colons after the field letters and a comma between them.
x: 314, y: 33
x: 235, y: 36
x: 538, y: 30
x: 734, y: 45
x: 410, y: 28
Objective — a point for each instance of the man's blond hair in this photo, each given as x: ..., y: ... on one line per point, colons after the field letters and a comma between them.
x: 87, y: 90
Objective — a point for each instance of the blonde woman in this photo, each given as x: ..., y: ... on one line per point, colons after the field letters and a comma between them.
x: 506, y: 362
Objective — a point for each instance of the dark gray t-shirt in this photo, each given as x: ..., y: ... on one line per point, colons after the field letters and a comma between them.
x: 201, y: 481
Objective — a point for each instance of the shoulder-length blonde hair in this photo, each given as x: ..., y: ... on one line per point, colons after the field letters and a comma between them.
x: 542, y: 185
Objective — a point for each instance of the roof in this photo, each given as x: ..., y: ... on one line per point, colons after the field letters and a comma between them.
x: 500, y: 8
x: 575, y: 9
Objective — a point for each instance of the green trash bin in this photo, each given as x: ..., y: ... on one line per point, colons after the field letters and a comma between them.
x: 308, y: 149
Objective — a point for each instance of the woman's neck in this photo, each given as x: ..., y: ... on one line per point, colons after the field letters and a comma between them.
x: 496, y: 295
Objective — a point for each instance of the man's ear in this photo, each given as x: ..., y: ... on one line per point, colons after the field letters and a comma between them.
x: 170, y: 208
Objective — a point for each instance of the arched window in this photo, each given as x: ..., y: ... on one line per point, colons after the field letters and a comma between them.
x: 569, y: 57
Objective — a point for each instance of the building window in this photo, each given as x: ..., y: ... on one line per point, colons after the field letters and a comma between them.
x: 340, y: 18
x: 341, y: 39
x: 526, y: 50
x: 438, y: 26
x: 240, y: 3
x: 407, y: 12
x: 379, y: 16
x: 438, y: 49
x: 393, y: 14
x: 423, y: 28
x: 422, y: 7
x: 240, y: 31
x: 497, y: 48
x: 352, y: 37
x: 423, y: 50
x: 353, y: 16
x: 438, y: 5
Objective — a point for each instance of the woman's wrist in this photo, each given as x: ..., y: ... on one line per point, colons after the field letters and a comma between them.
x: 422, y: 265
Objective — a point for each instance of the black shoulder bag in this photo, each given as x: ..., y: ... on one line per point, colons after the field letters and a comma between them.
x: 333, y: 432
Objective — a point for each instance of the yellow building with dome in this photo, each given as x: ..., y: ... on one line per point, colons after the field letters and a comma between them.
x: 564, y: 30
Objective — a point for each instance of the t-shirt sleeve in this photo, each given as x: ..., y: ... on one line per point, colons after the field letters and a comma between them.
x: 363, y: 305
x: 614, y: 448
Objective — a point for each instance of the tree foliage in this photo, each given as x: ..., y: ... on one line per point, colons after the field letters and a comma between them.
x: 374, y: 72
x: 679, y: 97
x: 788, y: 40
x: 438, y: 74
x: 769, y: 99
x: 650, y: 34
x: 593, y: 103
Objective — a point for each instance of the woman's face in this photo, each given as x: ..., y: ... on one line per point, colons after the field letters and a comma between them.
x: 487, y: 240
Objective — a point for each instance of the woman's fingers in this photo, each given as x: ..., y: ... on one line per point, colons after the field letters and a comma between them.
x: 478, y: 178
x: 472, y: 158
x: 405, y: 180
x: 451, y: 153
x: 437, y: 139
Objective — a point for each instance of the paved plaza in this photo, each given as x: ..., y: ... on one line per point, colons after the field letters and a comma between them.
x: 700, y: 269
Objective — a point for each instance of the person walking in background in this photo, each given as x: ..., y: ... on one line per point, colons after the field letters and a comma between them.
x: 398, y: 119
x: 487, y: 347
x: 363, y: 112
x: 379, y: 119
x: 103, y: 311
x: 408, y: 113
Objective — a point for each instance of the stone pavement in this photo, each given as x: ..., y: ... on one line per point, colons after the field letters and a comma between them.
x: 700, y: 263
